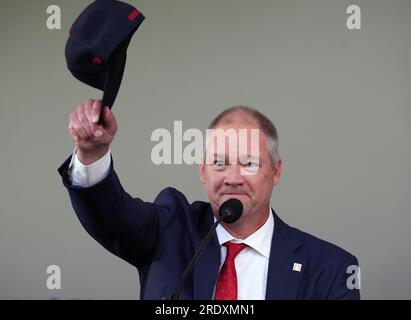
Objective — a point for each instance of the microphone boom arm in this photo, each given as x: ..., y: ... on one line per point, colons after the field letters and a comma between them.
x: 177, y: 295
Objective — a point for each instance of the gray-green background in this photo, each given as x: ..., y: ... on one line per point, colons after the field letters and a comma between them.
x: 340, y: 100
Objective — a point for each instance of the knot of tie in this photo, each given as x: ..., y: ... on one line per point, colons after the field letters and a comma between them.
x: 233, y: 249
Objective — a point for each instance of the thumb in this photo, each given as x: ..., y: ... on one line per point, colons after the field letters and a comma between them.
x: 109, y: 120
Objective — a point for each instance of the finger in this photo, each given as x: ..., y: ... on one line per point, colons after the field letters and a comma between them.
x: 83, y: 121
x: 96, y: 111
x: 109, y: 121
x: 89, y: 102
x: 71, y: 126
x: 89, y: 114
x: 88, y: 106
x: 93, y: 114
x: 75, y: 127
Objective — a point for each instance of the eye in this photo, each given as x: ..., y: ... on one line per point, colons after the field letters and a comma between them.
x: 252, y: 164
x: 219, y: 163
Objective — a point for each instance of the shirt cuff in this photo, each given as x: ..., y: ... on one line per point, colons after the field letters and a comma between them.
x: 88, y: 175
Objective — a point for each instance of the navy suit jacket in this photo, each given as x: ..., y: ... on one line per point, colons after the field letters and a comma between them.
x: 160, y: 238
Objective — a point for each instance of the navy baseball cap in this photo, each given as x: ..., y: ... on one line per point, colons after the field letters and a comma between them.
x: 97, y: 46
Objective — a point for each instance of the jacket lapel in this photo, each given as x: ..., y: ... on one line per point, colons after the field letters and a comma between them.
x: 283, y: 279
x: 207, y: 267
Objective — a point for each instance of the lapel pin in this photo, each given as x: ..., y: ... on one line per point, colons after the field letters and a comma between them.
x: 297, y: 267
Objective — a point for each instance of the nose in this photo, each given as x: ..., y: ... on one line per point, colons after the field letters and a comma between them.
x: 233, y: 175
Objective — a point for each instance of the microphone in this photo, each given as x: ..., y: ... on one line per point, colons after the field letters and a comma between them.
x: 230, y: 211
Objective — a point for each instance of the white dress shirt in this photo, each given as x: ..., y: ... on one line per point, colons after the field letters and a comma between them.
x: 87, y: 175
x: 251, y: 263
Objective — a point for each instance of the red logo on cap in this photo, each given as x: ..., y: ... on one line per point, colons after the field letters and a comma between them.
x: 97, y: 60
x: 133, y: 15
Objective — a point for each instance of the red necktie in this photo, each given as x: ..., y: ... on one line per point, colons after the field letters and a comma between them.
x: 226, y: 288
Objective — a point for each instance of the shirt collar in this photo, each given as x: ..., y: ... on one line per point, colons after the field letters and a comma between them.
x: 260, y: 240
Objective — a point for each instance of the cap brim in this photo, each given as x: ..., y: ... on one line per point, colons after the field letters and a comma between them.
x: 114, y: 75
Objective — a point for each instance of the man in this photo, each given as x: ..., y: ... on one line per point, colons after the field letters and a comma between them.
x: 256, y: 257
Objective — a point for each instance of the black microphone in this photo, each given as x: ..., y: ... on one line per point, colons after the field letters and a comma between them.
x: 230, y: 211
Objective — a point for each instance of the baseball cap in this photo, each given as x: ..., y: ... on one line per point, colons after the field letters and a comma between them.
x: 96, y: 49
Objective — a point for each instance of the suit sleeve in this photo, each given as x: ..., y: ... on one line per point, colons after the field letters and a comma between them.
x: 346, y: 284
x: 126, y: 226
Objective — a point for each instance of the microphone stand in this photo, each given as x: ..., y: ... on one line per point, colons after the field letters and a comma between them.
x: 177, y: 295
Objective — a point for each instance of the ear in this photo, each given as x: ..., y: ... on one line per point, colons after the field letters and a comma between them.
x: 278, y: 172
x: 201, y: 172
